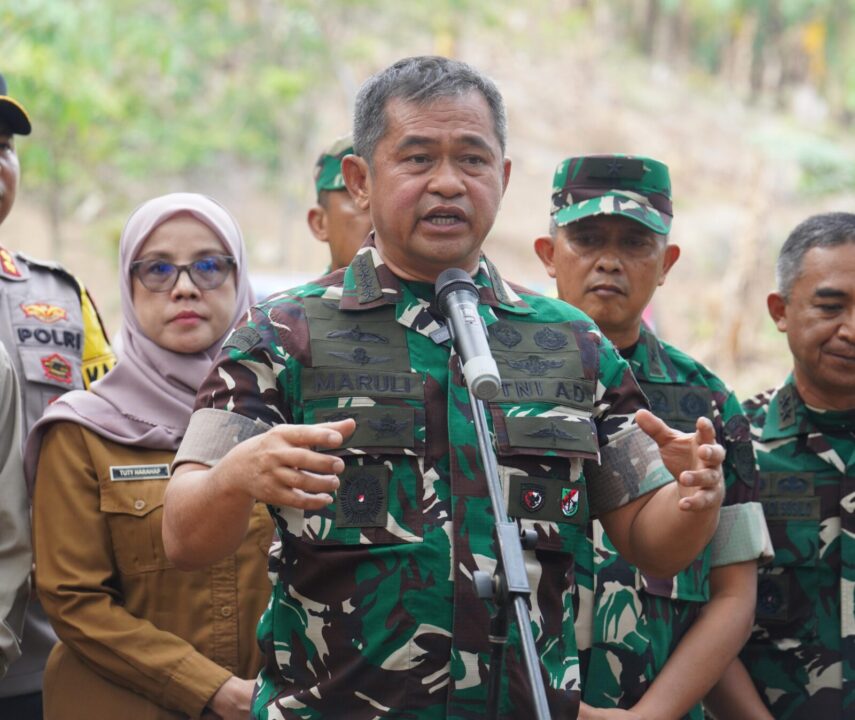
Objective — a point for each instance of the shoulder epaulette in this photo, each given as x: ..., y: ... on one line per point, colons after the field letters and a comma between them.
x: 51, y: 265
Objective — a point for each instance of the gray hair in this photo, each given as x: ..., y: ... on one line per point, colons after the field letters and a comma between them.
x: 825, y: 230
x: 419, y: 80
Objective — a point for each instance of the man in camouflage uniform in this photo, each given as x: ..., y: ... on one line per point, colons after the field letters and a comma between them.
x: 374, y: 613
x: 56, y: 343
x: 658, y: 644
x: 336, y: 219
x: 801, y: 654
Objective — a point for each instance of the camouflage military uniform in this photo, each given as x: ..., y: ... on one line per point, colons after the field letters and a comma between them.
x: 640, y: 620
x: 373, y: 608
x: 801, y: 654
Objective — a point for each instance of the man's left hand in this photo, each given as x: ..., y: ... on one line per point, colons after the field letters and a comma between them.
x: 693, y: 458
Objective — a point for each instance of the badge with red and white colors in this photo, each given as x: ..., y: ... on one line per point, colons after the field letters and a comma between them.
x: 44, y: 312
x: 532, y: 497
x: 569, y: 501
x: 57, y: 368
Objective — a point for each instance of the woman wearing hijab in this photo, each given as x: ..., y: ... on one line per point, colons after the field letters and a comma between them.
x: 139, y: 639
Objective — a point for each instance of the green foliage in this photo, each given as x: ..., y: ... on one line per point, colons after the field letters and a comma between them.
x: 121, y: 91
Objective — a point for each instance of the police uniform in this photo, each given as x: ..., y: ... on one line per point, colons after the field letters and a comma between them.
x: 57, y: 343
x: 373, y: 607
x: 639, y: 620
x: 51, y: 329
x: 801, y: 654
x: 14, y: 519
x: 141, y: 639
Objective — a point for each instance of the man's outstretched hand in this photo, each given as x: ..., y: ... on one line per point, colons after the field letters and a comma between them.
x: 694, y: 459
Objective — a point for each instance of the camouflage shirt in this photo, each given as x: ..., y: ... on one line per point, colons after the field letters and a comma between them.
x: 639, y: 620
x: 373, y: 607
x: 801, y: 654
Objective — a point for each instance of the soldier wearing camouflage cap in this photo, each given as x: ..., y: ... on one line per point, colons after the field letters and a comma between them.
x: 657, y: 644
x: 342, y: 405
x: 335, y: 219
x: 800, y: 657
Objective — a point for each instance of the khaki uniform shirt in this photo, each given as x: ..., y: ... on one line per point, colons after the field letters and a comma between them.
x: 118, y: 605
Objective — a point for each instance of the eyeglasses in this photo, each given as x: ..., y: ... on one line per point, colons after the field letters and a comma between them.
x: 206, y: 273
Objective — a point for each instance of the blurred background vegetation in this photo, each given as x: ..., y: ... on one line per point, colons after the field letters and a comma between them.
x: 751, y: 104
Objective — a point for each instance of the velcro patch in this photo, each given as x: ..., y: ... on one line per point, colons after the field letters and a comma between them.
x: 547, y: 500
x: 614, y: 168
x: 243, y: 339
x: 362, y: 499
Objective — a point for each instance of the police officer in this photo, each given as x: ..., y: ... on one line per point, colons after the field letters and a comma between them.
x: 658, y: 644
x: 57, y: 343
x: 373, y: 606
x: 335, y: 219
x: 800, y: 658
x: 17, y: 556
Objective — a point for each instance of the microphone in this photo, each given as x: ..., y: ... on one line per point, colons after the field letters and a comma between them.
x: 458, y: 299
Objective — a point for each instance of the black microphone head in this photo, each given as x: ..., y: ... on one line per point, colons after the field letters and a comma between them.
x: 451, y: 280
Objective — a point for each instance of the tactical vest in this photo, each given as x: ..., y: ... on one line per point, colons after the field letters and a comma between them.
x: 367, y: 356
x: 412, y: 480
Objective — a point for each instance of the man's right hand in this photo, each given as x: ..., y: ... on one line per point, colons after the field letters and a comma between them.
x: 281, y: 466
x: 206, y: 509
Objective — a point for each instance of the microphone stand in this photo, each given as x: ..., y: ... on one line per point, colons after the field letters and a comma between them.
x: 509, y: 584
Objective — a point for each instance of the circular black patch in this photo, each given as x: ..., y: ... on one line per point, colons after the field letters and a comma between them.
x: 770, y: 597
x: 693, y: 405
x: 361, y: 499
x: 658, y: 401
x: 532, y: 497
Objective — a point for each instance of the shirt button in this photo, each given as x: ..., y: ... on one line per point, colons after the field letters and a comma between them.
x: 139, y: 504
x: 226, y: 611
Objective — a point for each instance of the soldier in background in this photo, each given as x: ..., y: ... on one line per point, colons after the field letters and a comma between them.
x: 335, y: 219
x: 56, y: 342
x: 657, y: 644
x: 801, y: 653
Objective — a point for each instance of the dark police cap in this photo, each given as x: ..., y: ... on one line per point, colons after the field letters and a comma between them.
x: 12, y: 113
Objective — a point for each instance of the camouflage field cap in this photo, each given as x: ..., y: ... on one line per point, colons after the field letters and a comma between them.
x: 328, y: 166
x: 12, y: 113
x: 635, y: 187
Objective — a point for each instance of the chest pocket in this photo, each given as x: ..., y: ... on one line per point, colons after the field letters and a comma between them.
x: 134, y: 510
x: 787, y: 590
x: 542, y: 420
x: 360, y: 369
